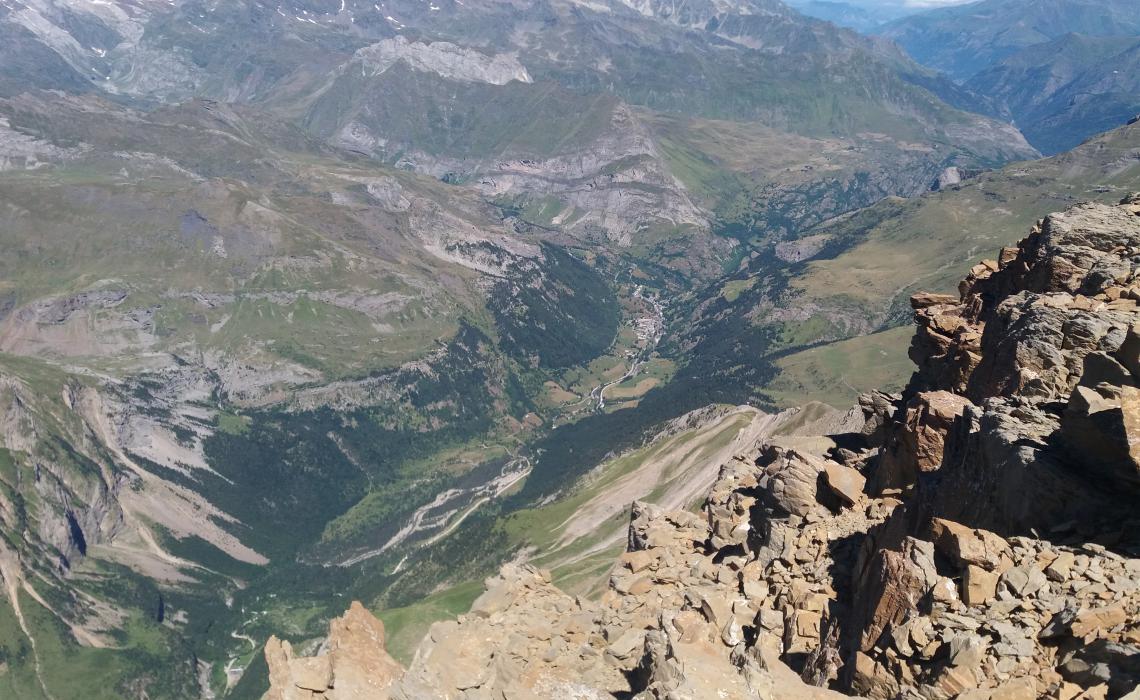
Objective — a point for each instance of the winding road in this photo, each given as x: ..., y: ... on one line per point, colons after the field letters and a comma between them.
x: 654, y: 328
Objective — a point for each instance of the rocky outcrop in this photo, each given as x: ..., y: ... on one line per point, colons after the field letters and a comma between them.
x: 916, y: 443
x: 352, y: 664
x: 443, y: 58
x: 974, y: 538
x: 1040, y: 344
x: 1014, y: 435
x: 679, y: 620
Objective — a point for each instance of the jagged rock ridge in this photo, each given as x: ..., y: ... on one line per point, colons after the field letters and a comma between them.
x: 974, y: 537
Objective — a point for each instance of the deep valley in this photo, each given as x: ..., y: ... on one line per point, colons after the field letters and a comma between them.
x: 331, y: 301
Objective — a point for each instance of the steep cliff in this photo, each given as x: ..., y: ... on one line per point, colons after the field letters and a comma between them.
x: 973, y: 537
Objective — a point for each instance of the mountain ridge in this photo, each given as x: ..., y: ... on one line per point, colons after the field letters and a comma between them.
x: 998, y: 28
x: 1060, y: 70
x: 897, y: 554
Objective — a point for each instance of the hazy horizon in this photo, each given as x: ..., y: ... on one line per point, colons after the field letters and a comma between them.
x: 907, y: 4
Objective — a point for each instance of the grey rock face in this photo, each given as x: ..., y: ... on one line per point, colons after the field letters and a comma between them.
x: 1041, y: 340
x: 446, y: 59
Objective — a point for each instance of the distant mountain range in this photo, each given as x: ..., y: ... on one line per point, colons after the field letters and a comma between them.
x: 1064, y: 90
x: 860, y: 17
x: 1062, y: 70
x: 965, y: 39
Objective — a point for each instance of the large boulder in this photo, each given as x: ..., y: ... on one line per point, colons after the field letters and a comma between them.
x: 352, y: 664
x: 360, y: 664
x: 790, y: 480
x: 1003, y: 472
x: 888, y: 591
x: 1066, y: 287
x: 965, y: 546
x: 914, y: 444
x: 1101, y: 429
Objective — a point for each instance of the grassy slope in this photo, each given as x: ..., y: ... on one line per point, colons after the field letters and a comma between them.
x: 424, y: 112
x: 406, y: 626
x: 647, y: 473
x: 895, y: 248
x: 17, y: 673
x: 69, y: 670
x: 837, y: 373
x: 930, y: 242
x: 134, y: 235
x: 579, y: 563
x: 765, y: 183
x: 732, y: 339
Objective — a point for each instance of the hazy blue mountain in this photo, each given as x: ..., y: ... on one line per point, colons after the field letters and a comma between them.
x: 1060, y: 70
x: 861, y: 18
x: 1063, y: 91
x: 965, y: 39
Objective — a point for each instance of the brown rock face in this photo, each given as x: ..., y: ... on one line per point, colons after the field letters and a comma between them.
x: 1034, y: 364
x: 523, y: 638
x: 1025, y: 326
x: 1101, y: 427
x: 361, y: 666
x: 891, y: 588
x: 915, y: 446
x: 352, y: 664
